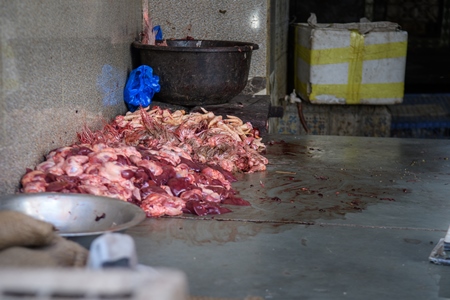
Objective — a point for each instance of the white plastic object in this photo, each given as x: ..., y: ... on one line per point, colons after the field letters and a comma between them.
x: 292, y: 97
x: 112, y: 250
x: 447, y: 236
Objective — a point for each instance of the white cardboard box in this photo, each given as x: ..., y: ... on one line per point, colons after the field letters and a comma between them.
x: 353, y: 63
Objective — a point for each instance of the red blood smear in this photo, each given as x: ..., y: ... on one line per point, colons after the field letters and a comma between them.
x: 203, y: 208
x: 389, y: 199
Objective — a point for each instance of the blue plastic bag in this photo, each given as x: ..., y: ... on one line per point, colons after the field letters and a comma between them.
x: 159, y: 34
x: 141, y: 87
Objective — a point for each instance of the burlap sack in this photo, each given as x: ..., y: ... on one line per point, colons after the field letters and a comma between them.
x: 28, y: 242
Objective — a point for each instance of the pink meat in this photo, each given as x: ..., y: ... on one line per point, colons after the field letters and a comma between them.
x: 33, y: 176
x: 60, y: 152
x: 154, y: 167
x: 165, y: 169
x: 104, y: 155
x: 45, y: 166
x: 215, y: 174
x: 58, y: 163
x: 127, y: 151
x: 194, y: 194
x: 167, y: 155
x: 115, y: 190
x: 161, y: 183
x: 157, y: 205
x: 98, y: 190
x: 73, y: 165
x: 35, y: 187
x: 111, y: 171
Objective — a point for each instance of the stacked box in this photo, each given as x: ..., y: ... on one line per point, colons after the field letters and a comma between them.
x: 422, y: 116
x: 343, y: 120
x: 353, y: 63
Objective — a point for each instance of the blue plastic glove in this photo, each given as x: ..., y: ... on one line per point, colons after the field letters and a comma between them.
x: 141, y: 87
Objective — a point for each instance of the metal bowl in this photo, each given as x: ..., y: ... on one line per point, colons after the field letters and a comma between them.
x: 78, y: 217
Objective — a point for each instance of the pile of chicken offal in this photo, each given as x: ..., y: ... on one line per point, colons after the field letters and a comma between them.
x: 166, y: 162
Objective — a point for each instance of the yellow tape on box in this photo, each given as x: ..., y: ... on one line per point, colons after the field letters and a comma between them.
x: 344, y: 66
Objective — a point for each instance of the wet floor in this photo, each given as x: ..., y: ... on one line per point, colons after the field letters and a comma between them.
x: 331, y: 218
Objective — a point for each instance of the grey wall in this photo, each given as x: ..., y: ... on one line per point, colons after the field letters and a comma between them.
x: 63, y: 64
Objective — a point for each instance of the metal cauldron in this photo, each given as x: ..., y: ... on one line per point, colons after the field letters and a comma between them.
x: 197, y: 72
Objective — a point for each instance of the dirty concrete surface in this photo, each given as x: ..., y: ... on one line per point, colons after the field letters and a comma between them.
x: 332, y: 217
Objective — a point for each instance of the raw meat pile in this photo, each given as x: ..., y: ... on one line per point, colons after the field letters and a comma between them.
x: 167, y: 163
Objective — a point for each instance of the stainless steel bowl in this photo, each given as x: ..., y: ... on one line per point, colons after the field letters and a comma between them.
x: 78, y: 217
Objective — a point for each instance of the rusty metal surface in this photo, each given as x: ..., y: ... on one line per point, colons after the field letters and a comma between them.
x: 332, y: 217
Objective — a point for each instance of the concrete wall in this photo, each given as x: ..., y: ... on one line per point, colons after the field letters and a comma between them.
x: 63, y: 64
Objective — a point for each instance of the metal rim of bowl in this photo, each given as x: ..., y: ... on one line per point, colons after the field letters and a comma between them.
x: 139, y: 214
x: 235, y: 47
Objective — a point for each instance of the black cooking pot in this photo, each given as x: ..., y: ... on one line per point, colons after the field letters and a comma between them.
x: 197, y: 72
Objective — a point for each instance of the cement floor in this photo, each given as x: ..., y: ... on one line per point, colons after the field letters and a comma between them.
x: 333, y: 217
